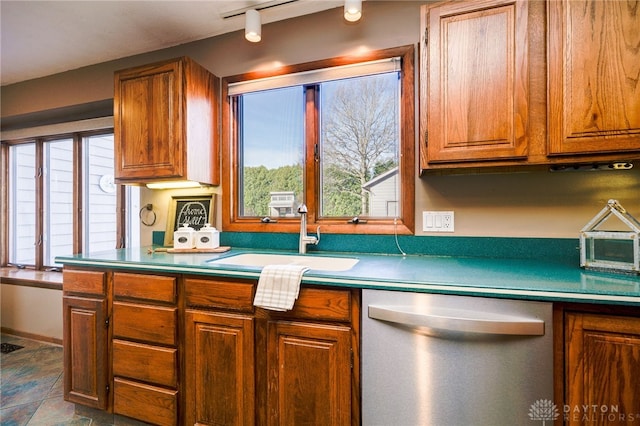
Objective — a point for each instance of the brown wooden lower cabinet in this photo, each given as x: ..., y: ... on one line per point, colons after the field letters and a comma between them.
x: 309, y: 374
x: 601, y: 363
x: 199, y: 352
x: 85, y: 311
x: 210, y: 357
x: 247, y: 366
x: 144, y: 348
x: 219, y: 368
x: 85, y: 351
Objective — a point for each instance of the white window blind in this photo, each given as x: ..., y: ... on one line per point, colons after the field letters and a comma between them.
x: 316, y: 76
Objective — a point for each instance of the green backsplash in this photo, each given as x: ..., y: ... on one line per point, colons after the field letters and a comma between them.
x: 558, y: 249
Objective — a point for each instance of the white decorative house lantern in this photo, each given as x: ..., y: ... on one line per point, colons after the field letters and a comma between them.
x: 615, y: 251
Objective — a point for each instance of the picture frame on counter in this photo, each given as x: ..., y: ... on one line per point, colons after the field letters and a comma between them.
x: 194, y: 210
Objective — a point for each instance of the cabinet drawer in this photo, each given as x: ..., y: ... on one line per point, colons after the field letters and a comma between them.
x: 144, y: 362
x: 228, y: 294
x: 90, y: 282
x: 144, y: 402
x: 154, y: 324
x: 148, y: 287
x: 322, y: 304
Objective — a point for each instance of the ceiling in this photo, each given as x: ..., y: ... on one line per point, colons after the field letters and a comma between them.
x: 40, y: 38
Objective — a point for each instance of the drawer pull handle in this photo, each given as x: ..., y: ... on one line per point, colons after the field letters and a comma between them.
x: 458, y: 320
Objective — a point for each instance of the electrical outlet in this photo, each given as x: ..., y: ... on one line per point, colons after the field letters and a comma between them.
x: 438, y: 221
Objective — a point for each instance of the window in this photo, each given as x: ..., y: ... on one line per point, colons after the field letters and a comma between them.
x: 271, y: 151
x: 61, y: 198
x: 22, y: 204
x: 57, y: 172
x: 336, y: 135
x: 100, y: 202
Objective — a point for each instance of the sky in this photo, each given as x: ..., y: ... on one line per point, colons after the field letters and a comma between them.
x: 273, y: 125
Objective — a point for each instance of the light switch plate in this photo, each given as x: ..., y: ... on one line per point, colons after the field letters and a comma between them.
x: 438, y: 221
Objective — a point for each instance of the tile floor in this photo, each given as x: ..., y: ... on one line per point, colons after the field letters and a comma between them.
x: 31, y: 389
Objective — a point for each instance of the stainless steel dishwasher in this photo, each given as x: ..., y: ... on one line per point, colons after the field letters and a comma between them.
x: 432, y: 359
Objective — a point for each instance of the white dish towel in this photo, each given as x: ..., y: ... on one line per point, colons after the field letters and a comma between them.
x: 278, y: 286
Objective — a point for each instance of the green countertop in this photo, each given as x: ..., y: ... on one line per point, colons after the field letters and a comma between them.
x: 507, y: 278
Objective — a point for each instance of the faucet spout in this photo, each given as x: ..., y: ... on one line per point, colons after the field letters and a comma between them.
x: 304, y: 238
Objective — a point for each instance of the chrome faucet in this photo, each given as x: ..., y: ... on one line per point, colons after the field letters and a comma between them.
x: 304, y: 238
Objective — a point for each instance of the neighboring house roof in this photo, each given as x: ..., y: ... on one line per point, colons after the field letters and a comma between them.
x: 380, y: 178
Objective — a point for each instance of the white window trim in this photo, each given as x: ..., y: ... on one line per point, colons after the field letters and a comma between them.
x: 58, y: 129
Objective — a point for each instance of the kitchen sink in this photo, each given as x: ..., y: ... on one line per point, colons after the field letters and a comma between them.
x: 319, y: 263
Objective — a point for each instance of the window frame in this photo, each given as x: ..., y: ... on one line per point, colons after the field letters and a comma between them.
x: 77, y: 209
x: 403, y: 224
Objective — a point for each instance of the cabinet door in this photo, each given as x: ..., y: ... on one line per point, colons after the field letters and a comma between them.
x: 148, y: 117
x: 602, y: 367
x: 86, y: 369
x: 220, y: 383
x: 594, y: 90
x: 477, y: 72
x: 309, y: 374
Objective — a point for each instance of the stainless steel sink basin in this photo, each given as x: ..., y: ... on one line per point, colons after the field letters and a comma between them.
x: 320, y: 263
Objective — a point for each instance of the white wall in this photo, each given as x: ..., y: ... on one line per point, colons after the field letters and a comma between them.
x: 161, y: 200
x: 37, y: 311
x: 537, y: 204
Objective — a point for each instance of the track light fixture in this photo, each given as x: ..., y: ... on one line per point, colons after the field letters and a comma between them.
x: 352, y: 10
x: 252, y: 26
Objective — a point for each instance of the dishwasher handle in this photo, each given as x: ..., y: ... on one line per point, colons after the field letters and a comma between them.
x: 458, y: 320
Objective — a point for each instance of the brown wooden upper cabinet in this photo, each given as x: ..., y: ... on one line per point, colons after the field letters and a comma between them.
x: 502, y: 87
x: 165, y: 123
x: 477, y: 69
x: 594, y: 70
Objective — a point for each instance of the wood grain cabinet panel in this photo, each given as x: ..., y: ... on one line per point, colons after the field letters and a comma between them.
x: 235, y: 295
x: 145, y: 362
x: 84, y: 282
x: 602, y: 366
x: 477, y: 70
x: 594, y: 64
x: 151, y: 404
x: 309, y: 371
x: 151, y: 139
x: 322, y: 305
x: 154, y: 288
x: 154, y: 324
x: 85, y: 349
x: 220, y: 382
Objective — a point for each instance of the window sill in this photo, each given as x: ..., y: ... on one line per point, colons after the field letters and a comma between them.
x: 31, y: 278
x: 386, y: 227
